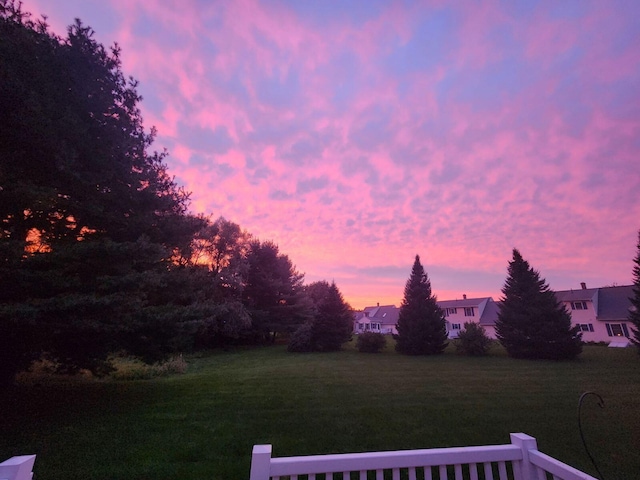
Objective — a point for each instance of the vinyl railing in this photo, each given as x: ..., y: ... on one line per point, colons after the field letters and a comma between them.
x: 17, y: 468
x: 519, y: 460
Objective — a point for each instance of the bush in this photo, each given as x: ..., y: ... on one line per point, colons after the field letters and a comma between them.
x: 134, y: 369
x: 371, y: 342
x: 301, y: 339
x: 472, y: 340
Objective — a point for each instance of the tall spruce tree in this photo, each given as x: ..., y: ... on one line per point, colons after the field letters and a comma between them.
x: 634, y: 311
x: 531, y: 322
x: 421, y: 324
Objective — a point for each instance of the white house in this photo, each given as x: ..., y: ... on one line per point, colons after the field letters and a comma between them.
x: 601, y: 313
x: 380, y: 319
x: 481, y: 310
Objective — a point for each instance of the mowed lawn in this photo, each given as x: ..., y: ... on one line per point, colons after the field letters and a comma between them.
x: 203, y: 424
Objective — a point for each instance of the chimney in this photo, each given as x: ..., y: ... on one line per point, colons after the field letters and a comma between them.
x: 583, y: 285
x: 378, y: 304
x: 464, y: 296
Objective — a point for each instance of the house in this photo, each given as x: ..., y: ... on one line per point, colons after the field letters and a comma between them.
x: 601, y: 313
x: 380, y: 319
x: 481, y: 310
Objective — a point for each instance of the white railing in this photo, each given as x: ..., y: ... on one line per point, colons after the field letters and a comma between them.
x: 17, y: 468
x: 519, y: 460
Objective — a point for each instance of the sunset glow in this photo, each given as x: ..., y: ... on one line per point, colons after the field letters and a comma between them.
x: 358, y: 136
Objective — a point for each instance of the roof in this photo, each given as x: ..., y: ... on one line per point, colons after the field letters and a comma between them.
x: 576, y: 295
x: 490, y: 313
x: 384, y: 313
x: 614, y: 302
x: 465, y: 302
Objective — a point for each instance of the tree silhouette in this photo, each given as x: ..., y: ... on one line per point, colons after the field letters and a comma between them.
x: 421, y: 324
x: 531, y: 322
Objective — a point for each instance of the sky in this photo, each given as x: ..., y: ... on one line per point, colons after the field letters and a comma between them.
x: 357, y: 134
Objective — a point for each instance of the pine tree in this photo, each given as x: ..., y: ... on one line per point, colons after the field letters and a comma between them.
x: 333, y: 322
x: 421, y: 324
x: 531, y: 322
x: 634, y: 311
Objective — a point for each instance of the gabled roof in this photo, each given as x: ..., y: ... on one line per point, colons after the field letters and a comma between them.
x: 614, y: 303
x: 465, y: 302
x: 576, y: 295
x: 490, y: 313
x: 383, y: 314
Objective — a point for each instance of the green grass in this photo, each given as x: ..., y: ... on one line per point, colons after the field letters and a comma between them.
x: 204, y: 423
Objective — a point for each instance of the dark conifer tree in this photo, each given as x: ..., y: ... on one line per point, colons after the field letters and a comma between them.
x: 89, y: 217
x: 333, y: 321
x: 531, y: 322
x: 421, y: 324
x: 634, y: 311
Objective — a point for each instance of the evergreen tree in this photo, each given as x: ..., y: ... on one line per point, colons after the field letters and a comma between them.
x: 531, y: 322
x: 333, y: 320
x: 90, y: 220
x: 634, y: 311
x: 272, y: 292
x: 421, y: 324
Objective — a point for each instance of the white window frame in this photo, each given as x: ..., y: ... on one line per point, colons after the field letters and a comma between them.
x: 617, y: 329
x: 581, y: 305
x: 469, y: 312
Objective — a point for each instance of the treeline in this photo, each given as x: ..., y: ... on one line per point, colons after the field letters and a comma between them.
x: 98, y: 250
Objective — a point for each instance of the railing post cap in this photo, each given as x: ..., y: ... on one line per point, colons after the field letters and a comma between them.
x: 17, y: 460
x: 521, y: 436
x: 257, y: 449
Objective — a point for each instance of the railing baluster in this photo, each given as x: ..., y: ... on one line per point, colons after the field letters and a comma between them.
x: 443, y: 472
x: 427, y: 473
x: 488, y: 471
x: 412, y: 473
x: 502, y: 471
x: 395, y: 473
x: 379, y: 474
x: 473, y: 471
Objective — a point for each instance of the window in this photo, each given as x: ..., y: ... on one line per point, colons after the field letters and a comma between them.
x: 468, y: 312
x: 617, y: 329
x: 586, y: 327
x: 375, y: 326
x: 578, y: 305
x: 450, y: 311
x: 455, y: 326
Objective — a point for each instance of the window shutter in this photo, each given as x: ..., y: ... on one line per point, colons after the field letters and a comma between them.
x: 609, y: 330
x: 625, y: 330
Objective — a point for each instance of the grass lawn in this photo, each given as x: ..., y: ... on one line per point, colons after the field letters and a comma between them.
x: 203, y: 424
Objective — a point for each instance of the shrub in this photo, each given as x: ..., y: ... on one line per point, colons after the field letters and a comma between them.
x: 472, y: 340
x: 371, y: 342
x: 301, y: 339
x: 134, y: 369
